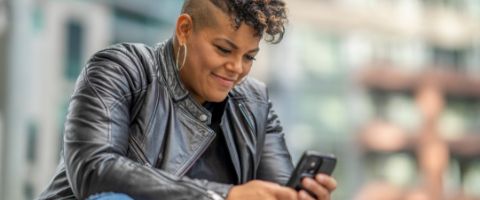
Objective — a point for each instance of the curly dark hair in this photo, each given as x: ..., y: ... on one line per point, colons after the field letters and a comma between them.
x: 265, y: 16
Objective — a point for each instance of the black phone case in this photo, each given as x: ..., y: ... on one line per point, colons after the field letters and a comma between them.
x: 310, y: 164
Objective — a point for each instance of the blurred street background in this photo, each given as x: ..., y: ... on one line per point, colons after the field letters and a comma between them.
x: 391, y: 87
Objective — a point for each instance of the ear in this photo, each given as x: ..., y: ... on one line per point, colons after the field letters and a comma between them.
x: 184, y: 28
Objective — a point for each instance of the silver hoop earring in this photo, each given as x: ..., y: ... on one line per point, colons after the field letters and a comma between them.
x: 182, y: 46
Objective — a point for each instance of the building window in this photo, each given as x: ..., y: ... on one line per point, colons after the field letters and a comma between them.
x: 74, y: 49
x: 380, y: 102
x: 38, y: 20
x: 134, y: 27
x: 28, y: 191
x: 449, y: 58
x: 32, y: 142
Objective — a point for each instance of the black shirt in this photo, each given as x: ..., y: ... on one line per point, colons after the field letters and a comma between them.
x: 215, y: 163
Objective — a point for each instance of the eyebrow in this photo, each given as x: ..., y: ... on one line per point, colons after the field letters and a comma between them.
x: 234, y: 46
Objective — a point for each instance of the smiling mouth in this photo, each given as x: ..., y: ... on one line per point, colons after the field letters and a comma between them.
x: 224, y: 81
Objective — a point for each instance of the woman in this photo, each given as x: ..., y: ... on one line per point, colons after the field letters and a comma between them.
x: 182, y: 121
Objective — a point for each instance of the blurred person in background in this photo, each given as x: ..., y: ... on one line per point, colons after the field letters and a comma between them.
x: 182, y: 120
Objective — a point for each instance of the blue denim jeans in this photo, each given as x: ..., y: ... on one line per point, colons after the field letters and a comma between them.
x: 109, y: 196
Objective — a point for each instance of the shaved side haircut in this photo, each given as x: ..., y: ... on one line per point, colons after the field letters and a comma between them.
x: 264, y: 16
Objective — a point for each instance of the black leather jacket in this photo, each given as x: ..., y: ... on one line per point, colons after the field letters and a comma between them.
x: 133, y: 128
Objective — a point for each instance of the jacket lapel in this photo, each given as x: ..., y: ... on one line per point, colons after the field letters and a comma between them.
x: 232, y: 147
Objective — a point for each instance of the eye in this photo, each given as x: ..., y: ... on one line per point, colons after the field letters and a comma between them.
x: 223, y: 50
x: 250, y: 58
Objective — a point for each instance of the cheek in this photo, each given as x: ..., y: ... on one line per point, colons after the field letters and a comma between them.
x: 246, y: 70
x: 205, y: 58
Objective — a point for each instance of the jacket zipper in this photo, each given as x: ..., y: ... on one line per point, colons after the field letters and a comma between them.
x: 139, y: 152
x: 242, y: 110
x: 196, y: 157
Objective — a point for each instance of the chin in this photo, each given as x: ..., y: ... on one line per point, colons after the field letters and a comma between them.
x: 217, y: 97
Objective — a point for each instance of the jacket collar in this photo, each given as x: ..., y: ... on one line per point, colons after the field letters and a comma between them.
x: 167, y: 70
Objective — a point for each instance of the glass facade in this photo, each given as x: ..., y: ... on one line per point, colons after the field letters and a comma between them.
x: 74, y: 49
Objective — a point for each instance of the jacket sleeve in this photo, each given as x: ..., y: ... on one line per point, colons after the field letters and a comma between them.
x: 97, y: 129
x: 275, y: 163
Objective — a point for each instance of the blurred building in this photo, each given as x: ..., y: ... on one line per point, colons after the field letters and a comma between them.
x: 363, y: 69
x: 49, y: 43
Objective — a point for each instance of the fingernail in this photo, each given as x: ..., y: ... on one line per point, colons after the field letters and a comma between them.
x: 320, y: 178
x: 303, y: 194
x: 308, y: 181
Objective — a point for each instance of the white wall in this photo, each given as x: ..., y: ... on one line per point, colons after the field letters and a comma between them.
x: 18, y: 98
x: 38, y: 87
x: 1, y: 152
x: 55, y: 89
x: 3, y: 24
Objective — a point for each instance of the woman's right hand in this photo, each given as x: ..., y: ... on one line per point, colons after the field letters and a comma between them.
x: 261, y: 190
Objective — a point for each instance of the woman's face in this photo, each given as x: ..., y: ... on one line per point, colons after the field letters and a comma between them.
x: 218, y: 57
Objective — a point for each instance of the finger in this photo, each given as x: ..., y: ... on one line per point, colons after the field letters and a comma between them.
x: 327, y: 181
x: 303, y: 195
x: 285, y: 193
x: 316, y: 188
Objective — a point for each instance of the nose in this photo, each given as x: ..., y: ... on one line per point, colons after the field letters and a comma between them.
x: 235, y: 66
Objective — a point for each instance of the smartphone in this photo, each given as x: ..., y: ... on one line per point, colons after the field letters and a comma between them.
x: 311, y: 163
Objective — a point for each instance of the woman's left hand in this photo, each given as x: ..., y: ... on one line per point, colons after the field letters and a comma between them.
x: 322, y: 186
